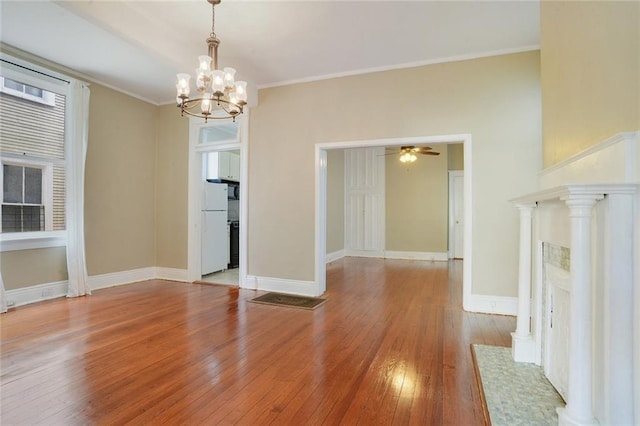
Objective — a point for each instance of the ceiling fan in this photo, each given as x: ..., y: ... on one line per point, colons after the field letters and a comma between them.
x: 408, y: 153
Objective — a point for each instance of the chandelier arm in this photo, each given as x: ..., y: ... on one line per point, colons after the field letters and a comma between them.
x: 192, y: 107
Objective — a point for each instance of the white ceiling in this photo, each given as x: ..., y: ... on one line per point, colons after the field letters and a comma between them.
x: 139, y: 46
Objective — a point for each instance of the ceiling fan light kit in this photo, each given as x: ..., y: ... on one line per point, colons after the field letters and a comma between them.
x: 408, y: 157
x: 408, y: 153
x: 220, y: 96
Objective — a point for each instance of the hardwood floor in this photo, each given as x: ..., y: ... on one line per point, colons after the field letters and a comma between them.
x: 390, y: 346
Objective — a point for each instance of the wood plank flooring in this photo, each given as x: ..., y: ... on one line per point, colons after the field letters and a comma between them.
x: 390, y: 346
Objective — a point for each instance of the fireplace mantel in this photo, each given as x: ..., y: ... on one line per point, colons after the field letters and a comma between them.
x: 600, y: 236
x: 565, y: 192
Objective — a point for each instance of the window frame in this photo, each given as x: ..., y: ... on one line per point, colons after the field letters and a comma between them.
x: 47, y: 186
x: 43, y: 78
x: 48, y: 97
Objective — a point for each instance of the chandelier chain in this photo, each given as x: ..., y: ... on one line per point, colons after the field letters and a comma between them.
x: 213, y: 20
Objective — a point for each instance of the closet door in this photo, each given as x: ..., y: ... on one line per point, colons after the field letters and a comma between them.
x: 364, y: 202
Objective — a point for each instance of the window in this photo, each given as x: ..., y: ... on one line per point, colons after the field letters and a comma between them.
x: 25, y: 204
x: 32, y: 157
x: 22, y: 208
x: 25, y: 91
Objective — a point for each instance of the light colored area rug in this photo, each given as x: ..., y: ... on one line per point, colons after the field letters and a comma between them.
x: 515, y: 393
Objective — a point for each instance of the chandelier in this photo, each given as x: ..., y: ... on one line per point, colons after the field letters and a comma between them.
x: 220, y: 96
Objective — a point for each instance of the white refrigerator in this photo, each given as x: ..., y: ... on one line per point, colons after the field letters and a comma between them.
x: 214, y: 227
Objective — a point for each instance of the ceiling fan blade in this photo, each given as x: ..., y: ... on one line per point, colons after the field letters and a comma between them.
x: 430, y: 153
x: 422, y: 148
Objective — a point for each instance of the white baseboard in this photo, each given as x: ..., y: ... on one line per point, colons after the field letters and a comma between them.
x: 36, y: 293
x: 493, y: 305
x: 40, y: 292
x: 171, y: 274
x: 120, y: 278
x: 363, y: 253
x: 282, y: 285
x: 417, y: 255
x: 332, y: 257
x: 405, y: 255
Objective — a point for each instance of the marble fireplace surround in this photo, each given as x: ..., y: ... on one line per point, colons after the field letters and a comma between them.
x: 589, y: 207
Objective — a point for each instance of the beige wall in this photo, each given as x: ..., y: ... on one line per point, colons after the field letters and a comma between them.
x: 120, y: 214
x: 24, y: 268
x: 171, y: 210
x: 335, y: 200
x: 455, y: 156
x: 590, y: 68
x: 417, y: 203
x: 119, y: 183
x: 135, y: 212
x: 496, y: 99
x: 137, y: 158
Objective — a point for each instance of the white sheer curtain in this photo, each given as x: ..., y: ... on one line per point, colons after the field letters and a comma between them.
x: 3, y: 301
x: 76, y: 153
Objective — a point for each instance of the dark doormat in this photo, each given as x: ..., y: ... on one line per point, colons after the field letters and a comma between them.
x: 290, y: 300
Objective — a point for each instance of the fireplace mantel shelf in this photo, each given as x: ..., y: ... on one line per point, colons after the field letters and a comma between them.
x: 565, y: 192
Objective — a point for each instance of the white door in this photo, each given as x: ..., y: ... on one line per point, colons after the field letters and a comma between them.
x: 364, y: 202
x: 456, y: 214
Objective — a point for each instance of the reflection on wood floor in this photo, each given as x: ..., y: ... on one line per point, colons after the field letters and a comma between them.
x: 227, y: 277
x: 390, y: 346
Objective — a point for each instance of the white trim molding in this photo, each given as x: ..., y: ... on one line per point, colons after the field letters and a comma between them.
x: 522, y: 341
x: 614, y: 160
x: 600, y: 309
x: 320, y: 205
x: 114, y: 279
x: 417, y: 255
x: 364, y: 253
x: 40, y: 292
x: 195, y: 183
x: 36, y: 293
x: 415, y: 64
x: 500, y: 305
x: 171, y: 274
x: 336, y: 255
x: 32, y: 240
x: 283, y: 285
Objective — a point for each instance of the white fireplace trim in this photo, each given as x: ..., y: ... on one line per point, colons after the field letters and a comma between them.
x: 614, y: 160
x: 581, y: 199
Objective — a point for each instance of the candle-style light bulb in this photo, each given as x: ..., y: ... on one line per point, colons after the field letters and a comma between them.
x: 229, y: 75
x: 182, y: 85
x: 241, y: 92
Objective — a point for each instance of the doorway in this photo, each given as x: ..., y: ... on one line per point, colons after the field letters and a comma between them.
x: 221, y: 216
x: 207, y: 140
x: 321, y: 199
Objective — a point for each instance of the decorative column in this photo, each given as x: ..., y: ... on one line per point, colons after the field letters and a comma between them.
x: 579, y: 410
x: 522, y: 341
